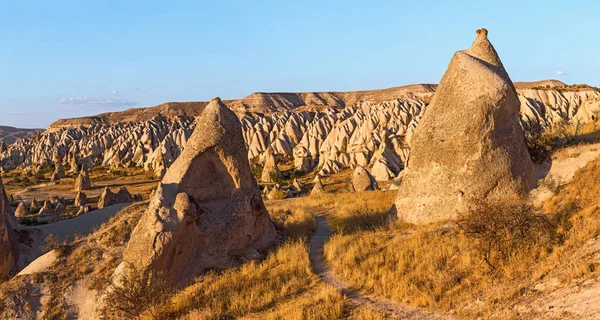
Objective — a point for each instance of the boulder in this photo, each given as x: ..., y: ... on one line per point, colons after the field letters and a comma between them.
x: 207, y: 210
x: 318, y: 187
x: 34, y: 207
x: 123, y: 196
x: 8, y: 244
x: 276, y: 193
x: 362, y: 180
x: 107, y: 198
x: 21, y: 211
x: 469, y: 147
x: 270, y: 172
x: 83, y: 181
x: 46, y: 207
x: 80, y: 199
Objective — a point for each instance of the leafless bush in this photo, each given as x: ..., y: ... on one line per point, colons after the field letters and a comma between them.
x: 569, y: 131
x: 140, y: 293
x: 551, y: 183
x: 503, y: 230
x: 52, y: 242
x: 539, y: 142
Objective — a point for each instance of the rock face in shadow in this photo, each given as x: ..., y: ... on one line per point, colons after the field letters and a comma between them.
x: 207, y: 212
x: 362, y: 180
x: 8, y: 252
x: 469, y: 146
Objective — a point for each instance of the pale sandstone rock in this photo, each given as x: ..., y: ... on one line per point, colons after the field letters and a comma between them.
x: 21, y: 210
x: 318, y: 187
x: 34, y: 207
x: 362, y: 180
x: 8, y: 245
x: 469, y: 146
x: 207, y: 210
x: 107, y: 198
x: 270, y: 172
x: 82, y: 210
x: 83, y: 181
x: 80, y: 199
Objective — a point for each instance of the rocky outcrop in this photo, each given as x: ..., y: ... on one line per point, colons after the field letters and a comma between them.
x: 318, y: 188
x: 34, y: 207
x: 21, y: 210
x: 8, y: 251
x: 83, y: 181
x: 362, y: 180
x: 207, y: 210
x: 123, y: 196
x: 108, y: 198
x: 80, y: 199
x: 270, y: 171
x: 469, y: 146
x: 59, y: 172
x: 375, y: 133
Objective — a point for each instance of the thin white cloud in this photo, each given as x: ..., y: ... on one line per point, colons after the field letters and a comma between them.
x: 115, y: 92
x: 562, y: 73
x: 88, y: 101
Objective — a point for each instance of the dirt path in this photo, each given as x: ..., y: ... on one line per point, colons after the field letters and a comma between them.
x: 393, y: 309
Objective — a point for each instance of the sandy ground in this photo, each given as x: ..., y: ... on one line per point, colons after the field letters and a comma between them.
x: 66, y: 229
x: 562, y: 168
x: 40, y: 264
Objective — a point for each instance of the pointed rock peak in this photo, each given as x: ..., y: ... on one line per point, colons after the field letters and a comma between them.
x: 483, y: 49
x: 214, y: 106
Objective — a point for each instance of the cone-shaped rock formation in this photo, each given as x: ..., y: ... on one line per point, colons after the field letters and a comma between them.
x: 362, y: 180
x: 207, y: 210
x: 469, y: 146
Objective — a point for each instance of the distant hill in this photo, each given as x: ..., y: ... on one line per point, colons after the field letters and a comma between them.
x: 10, y: 134
x: 259, y: 102
x: 266, y: 103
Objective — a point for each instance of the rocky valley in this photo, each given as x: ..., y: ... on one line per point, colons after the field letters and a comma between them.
x: 475, y: 198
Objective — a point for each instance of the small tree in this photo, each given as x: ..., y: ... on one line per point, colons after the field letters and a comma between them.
x: 569, y: 130
x: 539, y: 142
x: 140, y: 292
x: 502, y: 230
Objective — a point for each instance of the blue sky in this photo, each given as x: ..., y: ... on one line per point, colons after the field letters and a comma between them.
x: 74, y: 58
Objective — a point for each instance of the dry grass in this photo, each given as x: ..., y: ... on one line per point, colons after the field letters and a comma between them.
x: 254, y: 287
x: 95, y: 256
x: 439, y: 267
x: 346, y: 212
x: 282, y: 286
